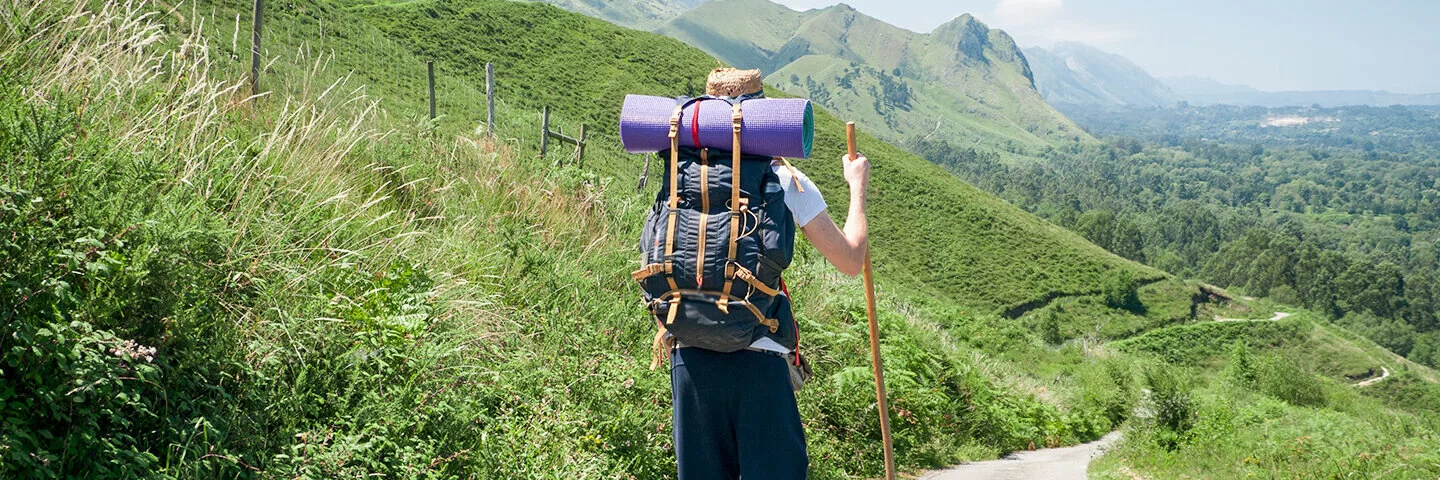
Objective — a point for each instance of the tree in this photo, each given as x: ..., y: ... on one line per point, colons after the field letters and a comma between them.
x: 1426, y: 350
x: 1050, y: 327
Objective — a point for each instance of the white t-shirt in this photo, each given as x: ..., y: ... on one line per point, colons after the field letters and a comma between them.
x: 804, y: 206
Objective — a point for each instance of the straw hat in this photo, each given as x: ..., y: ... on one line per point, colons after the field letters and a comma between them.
x: 730, y: 82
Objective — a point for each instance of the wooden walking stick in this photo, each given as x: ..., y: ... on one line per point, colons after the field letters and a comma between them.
x: 874, y: 334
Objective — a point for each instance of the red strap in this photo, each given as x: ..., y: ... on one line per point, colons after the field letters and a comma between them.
x: 695, y: 124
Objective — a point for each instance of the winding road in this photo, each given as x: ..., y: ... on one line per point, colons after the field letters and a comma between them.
x: 1278, y: 316
x: 1384, y: 372
x: 1051, y: 464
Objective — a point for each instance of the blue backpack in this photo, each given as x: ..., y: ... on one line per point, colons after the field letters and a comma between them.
x: 714, y: 246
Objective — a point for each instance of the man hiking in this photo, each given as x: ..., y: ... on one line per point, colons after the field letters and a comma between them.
x: 735, y: 414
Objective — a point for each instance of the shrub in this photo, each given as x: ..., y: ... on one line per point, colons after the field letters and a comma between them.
x: 1284, y: 379
x: 1108, y: 389
x: 1050, y: 327
x: 1171, y: 404
x: 1121, y: 290
x: 1275, y: 375
x: 1241, y: 368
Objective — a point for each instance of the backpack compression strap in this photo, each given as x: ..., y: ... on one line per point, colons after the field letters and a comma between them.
x: 735, y: 206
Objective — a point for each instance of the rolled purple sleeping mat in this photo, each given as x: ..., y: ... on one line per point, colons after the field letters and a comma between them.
x: 777, y: 127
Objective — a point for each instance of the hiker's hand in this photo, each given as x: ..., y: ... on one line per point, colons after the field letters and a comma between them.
x: 857, y: 171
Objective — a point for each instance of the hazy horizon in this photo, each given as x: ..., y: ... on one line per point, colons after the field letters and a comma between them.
x: 1272, y: 46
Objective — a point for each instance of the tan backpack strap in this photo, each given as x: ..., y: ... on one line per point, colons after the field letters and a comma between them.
x: 704, y: 217
x: 647, y: 271
x: 736, y: 116
x: 660, y: 347
x: 674, y: 196
x: 749, y: 277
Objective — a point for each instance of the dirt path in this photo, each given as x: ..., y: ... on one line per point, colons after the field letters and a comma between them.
x: 1384, y: 372
x: 1050, y: 464
x: 1278, y: 316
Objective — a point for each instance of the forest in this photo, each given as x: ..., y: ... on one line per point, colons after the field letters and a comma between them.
x: 1340, y: 215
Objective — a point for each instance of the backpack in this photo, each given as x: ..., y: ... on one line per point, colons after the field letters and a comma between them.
x: 714, y: 246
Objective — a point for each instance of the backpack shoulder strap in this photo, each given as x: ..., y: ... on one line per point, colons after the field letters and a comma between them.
x: 737, y: 205
x: 674, y: 197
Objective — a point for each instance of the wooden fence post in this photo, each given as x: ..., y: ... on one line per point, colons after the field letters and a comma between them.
x: 560, y: 136
x: 490, y: 99
x: 430, y: 72
x: 580, y: 148
x: 544, y: 130
x: 255, y: 48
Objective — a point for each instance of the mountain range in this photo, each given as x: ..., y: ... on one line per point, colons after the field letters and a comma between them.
x: 1072, y: 72
x: 1206, y: 91
x: 961, y: 81
x: 1078, y: 74
x: 824, y: 52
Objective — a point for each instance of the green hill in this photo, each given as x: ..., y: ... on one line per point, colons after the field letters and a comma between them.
x: 963, y: 81
x: 321, y: 282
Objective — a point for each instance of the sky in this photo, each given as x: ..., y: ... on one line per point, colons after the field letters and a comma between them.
x: 1272, y: 45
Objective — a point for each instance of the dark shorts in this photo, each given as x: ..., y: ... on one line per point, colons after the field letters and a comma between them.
x: 735, y: 416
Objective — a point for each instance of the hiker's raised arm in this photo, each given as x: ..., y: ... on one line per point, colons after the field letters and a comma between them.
x: 845, y: 249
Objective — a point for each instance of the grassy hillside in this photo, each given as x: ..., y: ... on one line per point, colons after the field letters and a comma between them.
x: 1280, y: 399
x: 961, y: 81
x: 320, y: 282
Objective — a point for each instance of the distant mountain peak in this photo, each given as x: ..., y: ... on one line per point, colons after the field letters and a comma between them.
x: 963, y: 79
x: 1073, y: 72
x: 963, y: 19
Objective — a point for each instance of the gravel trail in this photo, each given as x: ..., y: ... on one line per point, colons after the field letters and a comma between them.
x: 1051, y: 464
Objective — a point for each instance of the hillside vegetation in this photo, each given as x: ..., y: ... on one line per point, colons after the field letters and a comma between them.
x: 1340, y: 215
x: 321, y: 282
x: 962, y: 80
